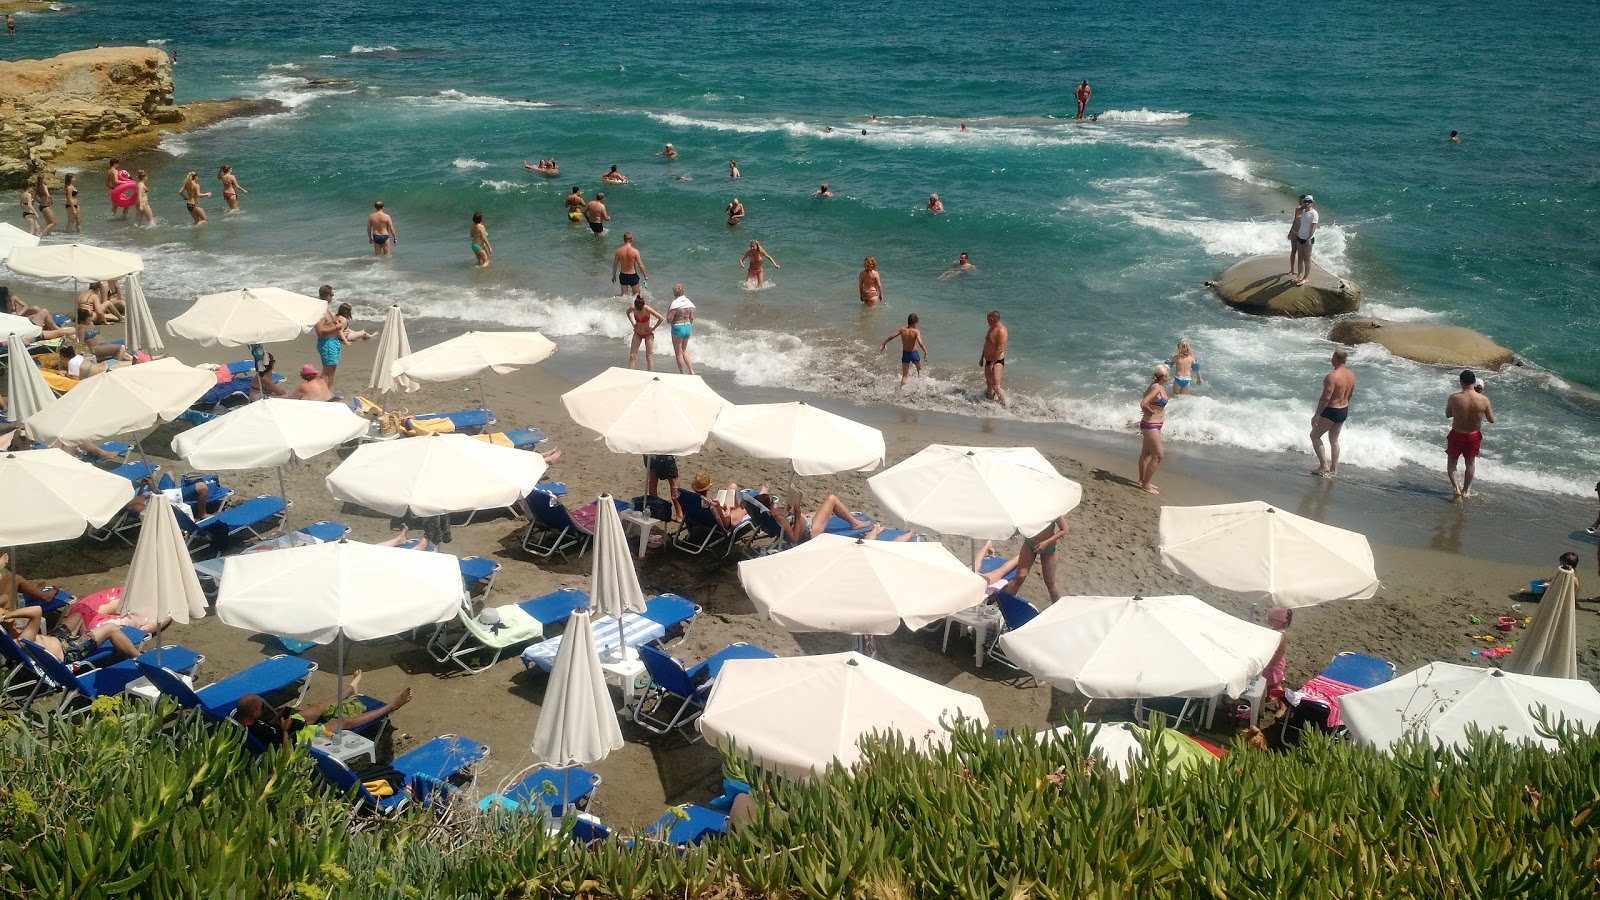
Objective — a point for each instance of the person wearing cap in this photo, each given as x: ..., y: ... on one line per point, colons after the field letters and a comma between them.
x: 312, y: 386
x: 1306, y: 237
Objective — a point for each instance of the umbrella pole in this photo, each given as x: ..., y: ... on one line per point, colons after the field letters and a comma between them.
x: 16, y: 581
x: 338, y: 696
x: 284, y: 493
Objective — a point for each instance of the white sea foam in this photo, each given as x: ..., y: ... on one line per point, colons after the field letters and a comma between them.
x: 386, y: 48
x: 1141, y: 116
x: 460, y: 97
x: 1216, y: 155
x: 500, y: 186
x: 155, y: 42
x: 467, y: 162
x: 286, y: 67
x: 174, y: 143
x: 1222, y: 237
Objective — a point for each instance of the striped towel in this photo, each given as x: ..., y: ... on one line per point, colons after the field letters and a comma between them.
x: 638, y: 631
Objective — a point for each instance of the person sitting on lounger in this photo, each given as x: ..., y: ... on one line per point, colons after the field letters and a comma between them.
x: 800, y: 526
x: 96, y: 348
x: 293, y: 726
x: 12, y: 585
x: 729, y: 517
x: 403, y: 537
x: 81, y: 365
x: 999, y: 576
x: 95, y: 619
x: 202, y: 496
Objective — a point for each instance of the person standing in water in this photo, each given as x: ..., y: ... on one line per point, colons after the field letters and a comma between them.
x: 595, y: 213
x: 381, y: 233
x: 1152, y: 415
x: 41, y: 191
x: 575, y: 204
x: 993, y: 360
x: 1185, y: 368
x: 754, y: 268
x: 1467, y: 409
x: 1082, y: 96
x: 69, y: 189
x: 627, y: 266
x: 669, y: 153
x: 733, y: 169
x: 735, y: 212
x: 479, y: 238
x: 869, y: 283
x: 1306, y: 237
x: 231, y: 189
x: 29, y: 213
x: 146, y: 214
x: 640, y: 315
x: 912, y: 349
x: 680, y: 317
x: 112, y: 181
x: 935, y: 204
x: 1333, y: 408
x: 191, y: 194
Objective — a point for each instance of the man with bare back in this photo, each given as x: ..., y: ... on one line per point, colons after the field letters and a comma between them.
x: 1467, y: 410
x: 627, y: 266
x: 993, y: 360
x: 1333, y: 407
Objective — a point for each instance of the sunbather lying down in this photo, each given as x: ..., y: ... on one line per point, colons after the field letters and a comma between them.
x: 95, y: 619
x: 12, y: 584
x: 303, y: 724
x: 798, y: 525
x: 148, y: 486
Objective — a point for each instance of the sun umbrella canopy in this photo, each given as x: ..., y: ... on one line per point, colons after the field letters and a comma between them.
x: 161, y: 579
x: 1267, y: 554
x: 1441, y: 699
x: 127, y: 398
x: 23, y: 328
x: 813, y: 441
x: 435, y: 474
x: 269, y: 432
x: 73, y: 262
x: 47, y: 495
x: 796, y: 715
x: 646, y: 412
x: 475, y: 353
x: 316, y: 592
x: 248, y: 316
x: 11, y: 236
x: 978, y: 492
x: 393, y: 345
x: 1550, y: 645
x: 1123, y: 743
x: 1130, y: 647
x: 614, y: 582
x: 853, y: 586
x: 577, y: 723
x: 26, y: 391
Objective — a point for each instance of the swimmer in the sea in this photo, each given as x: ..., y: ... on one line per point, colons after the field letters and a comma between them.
x: 735, y: 212
x: 733, y: 169
x: 575, y: 204
x: 935, y: 204
x: 1455, y: 138
x: 962, y: 265
x: 595, y: 213
x: 669, y: 153
x: 1185, y: 368
x: 381, y: 232
x: 963, y: 128
x: 614, y: 177
x: 752, y: 261
x: 823, y: 191
x: 912, y: 350
x: 870, y: 282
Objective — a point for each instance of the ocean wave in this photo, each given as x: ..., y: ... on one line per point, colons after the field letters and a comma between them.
x: 1253, y: 237
x: 174, y: 143
x: 157, y: 42
x: 455, y: 96
x: 361, y: 49
x: 467, y: 162
x: 1141, y: 116
x: 286, y: 67
x: 501, y: 186
x: 1215, y: 155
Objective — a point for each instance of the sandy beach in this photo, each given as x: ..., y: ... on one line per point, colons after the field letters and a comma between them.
x: 1421, y: 613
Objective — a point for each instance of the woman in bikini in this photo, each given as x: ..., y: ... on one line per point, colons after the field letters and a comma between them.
x: 754, y: 261
x: 639, y: 315
x: 41, y: 190
x: 29, y: 215
x: 800, y: 526
x: 346, y: 315
x: 1152, y: 415
x: 1185, y: 368
x: 191, y: 194
x: 870, y: 282
x: 146, y: 214
x: 1040, y: 548
x: 231, y: 189
x: 479, y: 237
x: 16, y: 306
x: 69, y: 189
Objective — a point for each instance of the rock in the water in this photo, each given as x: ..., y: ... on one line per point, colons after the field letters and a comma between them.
x: 1261, y: 285
x: 1425, y: 342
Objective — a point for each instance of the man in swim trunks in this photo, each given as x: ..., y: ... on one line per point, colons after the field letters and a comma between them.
x: 575, y: 204
x: 595, y: 213
x: 1467, y: 409
x: 663, y: 468
x: 627, y: 266
x: 112, y: 181
x: 1306, y: 237
x: 1082, y: 95
x: 381, y: 233
x: 1333, y: 407
x: 330, y: 337
x: 869, y: 282
x: 993, y: 360
x: 912, y: 349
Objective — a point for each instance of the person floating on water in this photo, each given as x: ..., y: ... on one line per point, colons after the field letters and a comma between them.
x: 752, y: 261
x: 1306, y: 237
x: 627, y: 267
x: 735, y: 212
x: 575, y: 204
x: 993, y: 360
x: 935, y: 204
x: 546, y: 167
x: 912, y: 349
x: 1082, y: 95
x: 823, y: 191
x: 478, y: 236
x: 1152, y: 415
x: 231, y: 189
x: 1467, y: 409
x: 381, y: 232
x: 595, y: 212
x: 869, y: 282
x: 1185, y: 367
x: 1333, y: 408
x: 614, y: 177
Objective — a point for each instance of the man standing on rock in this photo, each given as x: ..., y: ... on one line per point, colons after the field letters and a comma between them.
x: 1307, y: 236
x: 1333, y: 407
x: 381, y: 232
x: 1466, y: 409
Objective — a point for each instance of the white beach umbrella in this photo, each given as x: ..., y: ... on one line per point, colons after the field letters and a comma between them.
x: 47, y: 496
x: 1132, y: 647
x: 985, y: 493
x: 435, y: 474
x: 1550, y: 645
x: 62, y: 263
x: 613, y: 582
x: 12, y: 236
x: 853, y: 586
x: 127, y: 398
x: 812, y: 441
x: 26, y: 391
x: 161, y: 578
x: 261, y: 315
x: 393, y: 345
x: 1267, y: 554
x: 142, y: 332
x: 646, y: 412
x: 1441, y: 699
x: 19, y: 326
x: 577, y: 723
x: 1123, y: 746
x: 796, y: 715
x: 475, y: 353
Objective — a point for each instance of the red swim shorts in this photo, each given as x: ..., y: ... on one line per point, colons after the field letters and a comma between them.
x: 1460, y: 443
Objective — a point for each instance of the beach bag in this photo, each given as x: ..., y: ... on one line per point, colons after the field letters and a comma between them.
x: 381, y: 780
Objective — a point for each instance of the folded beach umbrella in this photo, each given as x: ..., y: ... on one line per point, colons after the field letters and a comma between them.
x: 1550, y: 645
x: 796, y: 715
x: 142, y: 332
x: 434, y: 475
x: 127, y: 398
x: 26, y: 391
x: 12, y: 236
x: 613, y: 582
x: 73, y: 262
x: 985, y: 493
x: 48, y: 495
x: 646, y: 412
x: 1267, y: 554
x: 853, y: 586
x: 20, y: 327
x: 813, y: 441
x: 1133, y: 647
x: 161, y: 578
x: 1441, y: 699
x: 475, y: 353
x: 261, y: 315
x: 393, y: 345
x: 577, y: 723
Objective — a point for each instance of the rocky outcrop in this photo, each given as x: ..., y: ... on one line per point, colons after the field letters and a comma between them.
x: 1261, y: 285
x: 1425, y: 342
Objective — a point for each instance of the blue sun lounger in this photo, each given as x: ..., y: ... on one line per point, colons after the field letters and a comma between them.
x: 255, y: 518
x: 554, y: 528
x: 664, y: 615
x: 217, y: 700
x: 547, y: 791
x: 107, y: 682
x: 701, y: 531
x: 677, y: 694
x: 429, y: 771
x: 688, y: 825
x: 519, y: 623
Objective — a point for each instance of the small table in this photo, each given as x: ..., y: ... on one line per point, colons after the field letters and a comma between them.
x: 979, y: 619
x: 626, y: 672
x: 644, y: 522
x: 347, y: 745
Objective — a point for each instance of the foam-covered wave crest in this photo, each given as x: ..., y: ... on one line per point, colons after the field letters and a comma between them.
x: 1141, y: 116
x: 362, y: 49
x: 451, y: 95
x: 467, y: 162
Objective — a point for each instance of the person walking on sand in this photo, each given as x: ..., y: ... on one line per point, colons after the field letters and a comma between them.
x: 753, y: 262
x: 614, y: 177
x: 1467, y: 410
x: 1294, y: 240
x: 1333, y: 407
x: 869, y: 283
x: 733, y: 169
x: 575, y: 204
x: 680, y: 318
x: 1306, y: 236
x: 191, y: 194
x: 595, y: 213
x: 645, y: 321
x: 69, y: 190
x: 231, y: 189
x: 912, y: 349
x: 735, y: 212
x: 29, y: 213
x: 41, y: 192
x: 1185, y: 368
x: 146, y: 215
x: 993, y: 360
x: 1082, y: 96
x: 627, y: 266
x: 1152, y: 415
x: 478, y: 236
x: 381, y: 233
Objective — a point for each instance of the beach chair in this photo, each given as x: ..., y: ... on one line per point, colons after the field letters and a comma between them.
x: 125, y: 524
x: 664, y: 615
x: 676, y: 696
x: 136, y: 471
x: 767, y: 525
x: 554, y: 528
x: 341, y: 779
x: 687, y: 825
x: 701, y: 531
x: 549, y: 791
x: 508, y: 627
x: 1316, y: 704
x: 518, y: 439
x: 218, y: 699
x: 674, y: 613
x: 58, y: 601
x: 21, y: 675
x: 478, y: 574
x: 255, y: 518
x: 79, y: 689
x: 435, y: 769
x: 1015, y: 612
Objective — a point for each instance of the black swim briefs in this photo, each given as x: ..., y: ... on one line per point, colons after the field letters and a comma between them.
x: 628, y: 279
x: 665, y: 466
x: 1336, y: 415
x: 597, y: 227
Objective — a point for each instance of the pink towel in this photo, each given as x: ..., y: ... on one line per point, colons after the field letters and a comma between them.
x: 1327, y: 692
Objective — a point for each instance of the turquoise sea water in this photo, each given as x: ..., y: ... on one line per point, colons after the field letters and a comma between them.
x: 1094, y: 240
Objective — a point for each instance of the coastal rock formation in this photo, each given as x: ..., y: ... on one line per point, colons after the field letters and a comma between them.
x: 1425, y: 342
x: 1261, y: 285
